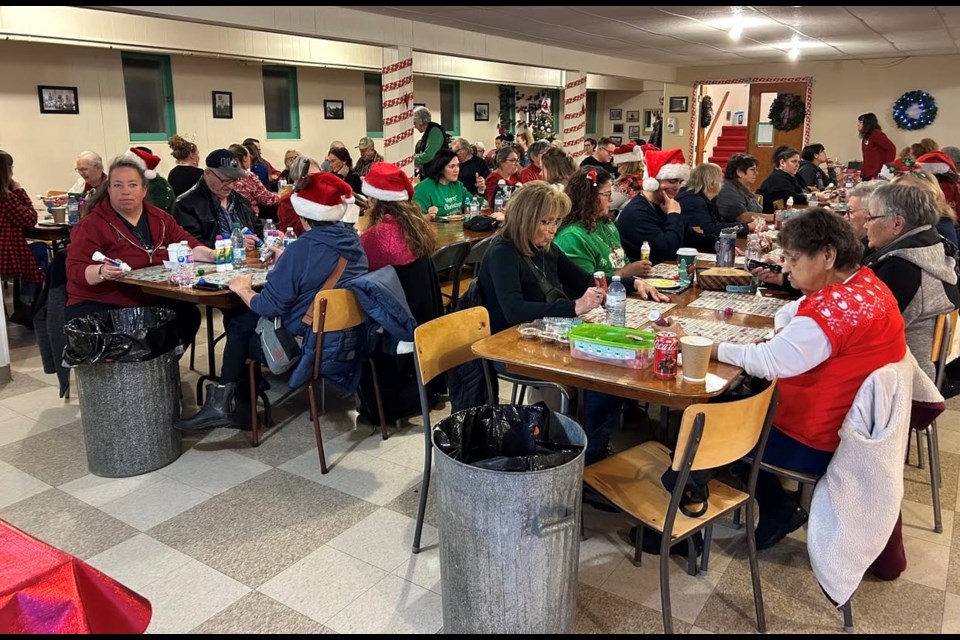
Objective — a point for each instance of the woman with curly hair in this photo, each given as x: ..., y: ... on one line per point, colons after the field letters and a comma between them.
x: 398, y: 233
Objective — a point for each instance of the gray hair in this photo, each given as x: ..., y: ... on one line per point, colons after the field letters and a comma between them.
x: 299, y: 171
x: 503, y: 153
x: 421, y: 115
x: 864, y: 191
x: 954, y: 153
x: 538, y: 148
x: 465, y: 145
x: 917, y: 206
x: 92, y: 156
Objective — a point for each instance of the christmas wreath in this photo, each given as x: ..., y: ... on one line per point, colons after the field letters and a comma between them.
x: 914, y: 110
x: 787, y: 112
x: 706, y: 111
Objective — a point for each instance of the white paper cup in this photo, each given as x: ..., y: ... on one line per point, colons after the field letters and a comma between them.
x: 696, y: 357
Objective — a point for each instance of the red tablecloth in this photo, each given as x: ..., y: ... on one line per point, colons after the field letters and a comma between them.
x: 44, y: 590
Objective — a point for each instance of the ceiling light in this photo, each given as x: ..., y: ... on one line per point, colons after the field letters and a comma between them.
x: 736, y: 31
x: 794, y: 53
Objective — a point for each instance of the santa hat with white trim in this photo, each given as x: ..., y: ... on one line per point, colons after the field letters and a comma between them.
x: 145, y: 160
x: 629, y: 152
x: 387, y: 182
x: 664, y: 165
x: 325, y: 198
x: 937, y: 163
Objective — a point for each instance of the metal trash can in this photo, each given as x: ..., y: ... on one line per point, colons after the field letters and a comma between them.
x: 129, y: 388
x: 510, y: 540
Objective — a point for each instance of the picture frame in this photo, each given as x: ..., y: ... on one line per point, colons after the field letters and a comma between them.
x: 679, y: 104
x: 616, y: 114
x: 333, y: 109
x: 481, y: 111
x: 634, y: 131
x: 222, y: 104
x: 650, y: 116
x: 533, y: 109
x: 618, y: 128
x: 633, y: 116
x: 765, y: 134
x: 617, y: 140
x: 59, y: 100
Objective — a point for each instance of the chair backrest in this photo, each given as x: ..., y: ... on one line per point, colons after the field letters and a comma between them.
x: 731, y: 429
x: 478, y: 250
x: 451, y: 257
x: 336, y: 310
x: 943, y: 333
x: 446, y: 342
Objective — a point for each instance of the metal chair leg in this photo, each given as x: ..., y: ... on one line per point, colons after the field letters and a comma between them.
x: 315, y: 418
x: 691, y: 557
x: 254, y: 421
x: 638, y: 546
x: 737, y: 517
x: 919, y: 452
x: 933, y: 449
x: 384, y: 433
x: 665, y: 583
x: 425, y: 485
x: 848, y: 617
x: 523, y: 394
x: 707, y: 540
x: 755, y: 568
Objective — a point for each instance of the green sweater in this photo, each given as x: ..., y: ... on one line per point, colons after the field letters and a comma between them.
x: 592, y: 251
x: 432, y: 142
x: 447, y: 198
x: 160, y: 194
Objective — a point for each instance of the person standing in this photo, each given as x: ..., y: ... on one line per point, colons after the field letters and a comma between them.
x: 875, y: 145
x: 434, y: 137
x: 187, y: 172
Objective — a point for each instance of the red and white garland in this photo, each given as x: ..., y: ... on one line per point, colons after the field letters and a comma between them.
x: 399, y: 105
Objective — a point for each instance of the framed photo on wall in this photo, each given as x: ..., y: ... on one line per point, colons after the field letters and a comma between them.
x: 633, y: 116
x: 222, y: 104
x: 618, y: 128
x: 617, y: 140
x: 481, y: 111
x: 616, y: 114
x: 679, y: 104
x: 634, y: 132
x: 333, y: 109
x: 62, y: 100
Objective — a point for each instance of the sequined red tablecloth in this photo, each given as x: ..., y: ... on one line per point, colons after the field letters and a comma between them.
x: 44, y: 590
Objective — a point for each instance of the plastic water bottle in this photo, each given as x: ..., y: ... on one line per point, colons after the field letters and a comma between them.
x: 645, y: 250
x: 219, y: 254
x: 239, y: 249
x: 616, y: 304
x: 812, y: 201
x: 289, y: 238
x: 474, y: 207
x: 498, y: 201
x: 73, y: 211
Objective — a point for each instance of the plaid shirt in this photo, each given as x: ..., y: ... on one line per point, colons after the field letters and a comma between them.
x: 253, y: 190
x: 16, y: 215
x: 631, y: 185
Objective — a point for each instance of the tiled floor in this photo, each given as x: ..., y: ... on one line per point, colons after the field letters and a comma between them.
x: 234, y: 539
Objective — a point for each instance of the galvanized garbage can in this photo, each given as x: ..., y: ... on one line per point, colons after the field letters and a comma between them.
x: 510, y: 543
x: 129, y: 388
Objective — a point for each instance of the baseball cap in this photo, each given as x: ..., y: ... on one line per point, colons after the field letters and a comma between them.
x: 225, y: 163
x: 365, y: 143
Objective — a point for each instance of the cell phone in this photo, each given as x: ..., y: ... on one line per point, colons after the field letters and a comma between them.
x: 208, y: 286
x: 752, y: 264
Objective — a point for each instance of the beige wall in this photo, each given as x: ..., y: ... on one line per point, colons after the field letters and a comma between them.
x: 470, y: 129
x: 844, y: 90
x: 679, y: 138
x: 625, y: 101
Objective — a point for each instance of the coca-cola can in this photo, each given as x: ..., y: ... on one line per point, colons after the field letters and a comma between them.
x: 666, y: 349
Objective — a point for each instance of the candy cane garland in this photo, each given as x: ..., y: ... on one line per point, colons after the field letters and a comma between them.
x: 397, y: 66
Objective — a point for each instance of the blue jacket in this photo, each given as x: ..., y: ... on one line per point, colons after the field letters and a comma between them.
x: 642, y: 220
x: 385, y: 305
x: 293, y: 284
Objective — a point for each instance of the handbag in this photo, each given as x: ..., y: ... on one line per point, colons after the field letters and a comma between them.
x: 481, y: 223
x: 550, y: 292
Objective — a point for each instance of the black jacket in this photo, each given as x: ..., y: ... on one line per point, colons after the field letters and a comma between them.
x: 702, y: 221
x: 642, y: 220
x: 813, y: 177
x: 197, y: 211
x: 469, y: 171
x: 780, y: 185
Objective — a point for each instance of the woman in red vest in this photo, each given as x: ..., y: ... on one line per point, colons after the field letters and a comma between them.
x: 876, y: 146
x: 846, y: 326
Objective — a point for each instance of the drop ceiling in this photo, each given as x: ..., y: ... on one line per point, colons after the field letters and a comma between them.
x: 695, y: 36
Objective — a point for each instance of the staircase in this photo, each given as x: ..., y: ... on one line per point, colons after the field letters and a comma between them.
x: 733, y: 139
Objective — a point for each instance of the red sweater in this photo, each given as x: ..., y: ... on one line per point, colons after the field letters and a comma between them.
x: 287, y: 217
x: 877, y: 151
x: 866, y: 331
x: 103, y: 230
x: 384, y: 244
x: 530, y: 173
x: 490, y: 192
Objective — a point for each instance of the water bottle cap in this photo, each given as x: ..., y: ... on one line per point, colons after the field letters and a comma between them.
x: 616, y: 278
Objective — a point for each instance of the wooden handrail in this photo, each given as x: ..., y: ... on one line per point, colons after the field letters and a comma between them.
x: 716, y: 119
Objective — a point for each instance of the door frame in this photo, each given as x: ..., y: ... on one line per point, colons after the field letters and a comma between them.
x: 695, y: 107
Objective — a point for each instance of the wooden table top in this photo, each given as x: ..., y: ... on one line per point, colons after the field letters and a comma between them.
x: 222, y: 299
x: 546, y: 361
x: 47, y: 233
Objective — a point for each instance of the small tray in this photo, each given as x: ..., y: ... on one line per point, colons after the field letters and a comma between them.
x: 611, y: 345
x: 454, y: 218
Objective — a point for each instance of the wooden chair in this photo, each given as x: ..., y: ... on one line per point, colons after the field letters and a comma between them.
x: 448, y: 261
x: 441, y: 345
x: 711, y: 435
x: 332, y: 310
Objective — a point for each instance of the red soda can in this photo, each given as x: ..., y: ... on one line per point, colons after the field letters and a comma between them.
x: 666, y: 348
x: 600, y: 280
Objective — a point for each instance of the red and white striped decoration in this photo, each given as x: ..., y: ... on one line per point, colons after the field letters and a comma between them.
x: 397, y: 88
x: 574, y: 112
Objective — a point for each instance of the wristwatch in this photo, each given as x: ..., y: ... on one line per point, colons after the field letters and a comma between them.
x: 100, y: 272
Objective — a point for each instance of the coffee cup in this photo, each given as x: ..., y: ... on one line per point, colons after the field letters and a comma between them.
x: 696, y: 357
x: 686, y: 261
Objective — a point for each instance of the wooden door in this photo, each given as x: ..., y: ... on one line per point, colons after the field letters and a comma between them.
x: 793, y: 138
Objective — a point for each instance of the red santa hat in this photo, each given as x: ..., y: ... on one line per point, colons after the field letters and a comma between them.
x: 937, y: 162
x: 325, y: 198
x: 629, y: 152
x: 146, y: 161
x: 387, y: 182
x: 664, y: 165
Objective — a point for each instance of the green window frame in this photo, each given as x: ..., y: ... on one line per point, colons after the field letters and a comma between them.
x: 170, y: 116
x: 371, y: 80
x: 591, y: 112
x: 291, y: 74
x: 452, y: 89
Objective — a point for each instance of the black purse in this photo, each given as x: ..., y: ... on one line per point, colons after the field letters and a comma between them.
x: 550, y: 292
x: 481, y: 223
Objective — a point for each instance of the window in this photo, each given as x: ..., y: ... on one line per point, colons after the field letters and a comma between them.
x: 592, y: 112
x: 450, y: 106
x: 148, y: 85
x: 373, y: 94
x: 281, y: 103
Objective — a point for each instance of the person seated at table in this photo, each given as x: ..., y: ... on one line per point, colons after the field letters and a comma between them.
x: 16, y: 215
x: 858, y: 205
x: 507, y: 170
x: 698, y: 209
x: 300, y: 271
x: 90, y: 167
x: 602, y: 156
x: 212, y: 206
x: 782, y: 184
x: 589, y: 146
x: 187, y: 172
x: 558, y: 167
x: 368, y: 156
x: 250, y: 186
x: 260, y: 166
x: 534, y: 170
x: 939, y: 167
x: 398, y: 233
x: 910, y: 257
x: 302, y: 168
x: 336, y: 144
x: 810, y: 174
x: 159, y: 192
x: 515, y: 273
x: 628, y: 158
x: 123, y: 226
x: 473, y: 168
x: 654, y: 215
x: 440, y: 194
x: 341, y: 165
x: 288, y: 158
x: 736, y: 201
x: 845, y: 327
x: 588, y: 235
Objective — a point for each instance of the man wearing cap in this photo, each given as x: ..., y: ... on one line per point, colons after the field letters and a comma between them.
x: 211, y: 207
x: 368, y: 155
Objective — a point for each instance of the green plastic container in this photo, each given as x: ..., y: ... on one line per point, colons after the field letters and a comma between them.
x: 610, y: 345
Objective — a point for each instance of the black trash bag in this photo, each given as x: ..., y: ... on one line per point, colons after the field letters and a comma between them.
x: 120, y: 335
x: 506, y: 438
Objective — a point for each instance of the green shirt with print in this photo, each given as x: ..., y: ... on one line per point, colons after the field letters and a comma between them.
x: 592, y: 251
x: 447, y: 198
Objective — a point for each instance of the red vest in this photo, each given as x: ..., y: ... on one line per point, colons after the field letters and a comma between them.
x: 866, y: 331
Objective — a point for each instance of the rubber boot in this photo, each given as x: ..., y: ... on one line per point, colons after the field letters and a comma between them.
x: 216, y: 410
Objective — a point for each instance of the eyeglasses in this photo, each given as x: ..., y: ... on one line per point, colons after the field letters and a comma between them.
x: 512, y: 161
x: 609, y: 149
x: 225, y: 181
x: 605, y: 194
x: 550, y: 223
x: 872, y: 218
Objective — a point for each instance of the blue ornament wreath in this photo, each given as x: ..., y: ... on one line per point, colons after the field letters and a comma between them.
x: 914, y: 110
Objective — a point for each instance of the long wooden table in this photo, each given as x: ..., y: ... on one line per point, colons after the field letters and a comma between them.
x: 546, y: 361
